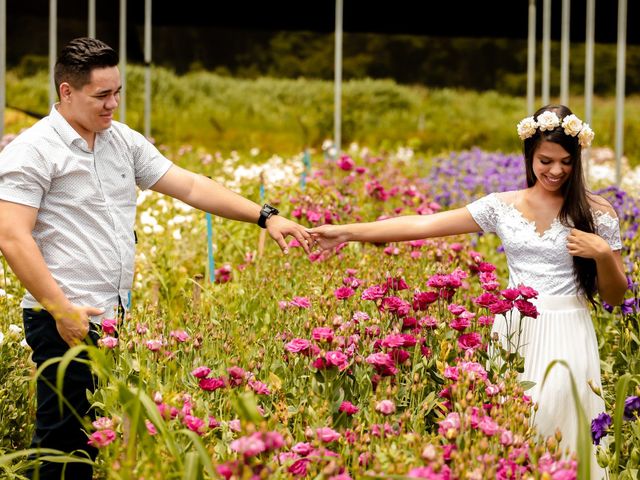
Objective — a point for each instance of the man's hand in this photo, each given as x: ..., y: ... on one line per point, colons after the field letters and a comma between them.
x: 279, y: 227
x: 72, y: 322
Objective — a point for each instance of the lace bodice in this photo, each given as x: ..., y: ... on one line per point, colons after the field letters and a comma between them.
x: 540, y: 261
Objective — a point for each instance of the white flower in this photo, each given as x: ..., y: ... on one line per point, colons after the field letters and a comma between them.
x: 548, y: 121
x: 1, y: 338
x: 572, y: 125
x: 255, y: 151
x: 15, y: 329
x: 24, y: 344
x: 526, y: 128
x: 177, y: 235
x: 585, y: 137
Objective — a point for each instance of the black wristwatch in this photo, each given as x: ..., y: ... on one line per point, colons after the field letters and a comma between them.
x: 266, y: 212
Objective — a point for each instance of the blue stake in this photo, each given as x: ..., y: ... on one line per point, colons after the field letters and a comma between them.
x: 212, y: 265
x: 306, y: 159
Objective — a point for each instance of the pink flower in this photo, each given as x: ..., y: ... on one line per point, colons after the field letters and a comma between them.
x: 211, y: 384
x: 201, y: 372
x: 396, y: 283
x: 470, y: 341
x: 259, y: 387
x: 510, y: 293
x: 342, y: 293
x: 322, y: 334
x: 151, y: 428
x: 360, y: 317
x: 485, y: 300
x: 506, y: 437
x: 485, y: 320
x: 300, y: 302
x: 155, y: 344
x: 492, y: 390
x: 374, y: 293
x: 460, y: 324
x: 526, y: 308
x: 236, y: 375
x: 383, y: 363
x: 450, y: 425
x: 302, y: 448
x: 298, y: 345
x: 422, y: 300
x: 179, y: 335
x: 299, y: 467
x: 109, y: 326
x: 345, y: 163
x: 101, y: 438
x: 386, y: 407
x: 473, y: 370
x: 348, y: 408
x: 102, y: 423
x: 141, y: 328
x: 327, y: 435
x: 234, y: 425
x: 108, y: 342
x: 451, y: 373
x: 486, y: 267
x: 396, y: 305
x: 500, y: 306
x: 456, y: 309
x: 213, y: 423
x: 527, y: 292
x: 248, y: 446
x: 399, y: 340
x: 488, y: 426
x: 337, y: 359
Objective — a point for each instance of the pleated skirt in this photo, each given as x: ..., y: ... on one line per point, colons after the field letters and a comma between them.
x: 563, y: 331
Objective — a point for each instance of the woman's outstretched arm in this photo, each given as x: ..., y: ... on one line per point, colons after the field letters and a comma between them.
x: 398, y: 229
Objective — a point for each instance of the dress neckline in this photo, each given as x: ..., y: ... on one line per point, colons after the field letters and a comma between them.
x: 532, y: 223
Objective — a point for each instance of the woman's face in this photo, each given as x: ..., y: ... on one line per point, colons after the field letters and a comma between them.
x: 552, y: 166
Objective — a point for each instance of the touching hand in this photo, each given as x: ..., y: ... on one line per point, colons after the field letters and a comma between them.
x: 587, y: 245
x: 329, y: 236
x: 279, y: 228
x: 73, y: 322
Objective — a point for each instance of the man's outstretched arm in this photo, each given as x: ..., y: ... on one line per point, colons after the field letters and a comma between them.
x: 205, y: 194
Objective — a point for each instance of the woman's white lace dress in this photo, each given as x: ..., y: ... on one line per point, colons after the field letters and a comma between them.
x: 563, y: 329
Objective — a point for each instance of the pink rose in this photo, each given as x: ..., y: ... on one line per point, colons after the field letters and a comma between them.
x: 386, y: 407
x: 298, y: 345
x: 337, y: 359
x: 109, y: 326
x: 101, y: 438
x: 348, y: 408
x: 322, y: 334
x: 327, y: 435
x: 470, y: 341
x: 201, y: 372
x: 211, y: 384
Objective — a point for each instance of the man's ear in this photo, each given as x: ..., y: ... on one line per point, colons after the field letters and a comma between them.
x: 65, y: 92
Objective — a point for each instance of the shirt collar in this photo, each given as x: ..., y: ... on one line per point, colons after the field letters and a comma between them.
x: 68, y: 134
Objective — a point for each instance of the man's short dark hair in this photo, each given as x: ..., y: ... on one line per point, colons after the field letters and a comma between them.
x: 78, y: 58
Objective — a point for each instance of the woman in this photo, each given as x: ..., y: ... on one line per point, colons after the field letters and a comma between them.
x: 559, y: 239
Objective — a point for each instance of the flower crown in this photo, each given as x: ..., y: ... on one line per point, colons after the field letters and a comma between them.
x: 549, y: 120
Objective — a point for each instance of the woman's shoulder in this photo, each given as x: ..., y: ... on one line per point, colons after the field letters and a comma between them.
x: 509, y: 197
x: 599, y: 205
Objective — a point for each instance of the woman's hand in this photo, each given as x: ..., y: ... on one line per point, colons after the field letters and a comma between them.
x: 329, y: 236
x: 587, y: 245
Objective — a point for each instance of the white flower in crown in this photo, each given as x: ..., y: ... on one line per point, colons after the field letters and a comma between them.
x: 585, y: 137
x: 572, y: 125
x: 526, y: 128
x: 548, y: 121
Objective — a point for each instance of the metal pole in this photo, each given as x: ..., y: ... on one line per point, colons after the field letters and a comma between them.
x: 337, y: 99
x: 3, y: 61
x: 564, y: 53
x: 147, y: 68
x: 546, y: 50
x: 620, y: 72
x: 91, y: 31
x: 123, y: 60
x: 531, y: 58
x: 588, y: 73
x: 53, y: 35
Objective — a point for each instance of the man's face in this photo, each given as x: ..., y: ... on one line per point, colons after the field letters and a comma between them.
x: 90, y: 109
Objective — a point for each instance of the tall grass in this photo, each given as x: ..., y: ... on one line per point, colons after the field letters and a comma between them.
x: 284, y: 115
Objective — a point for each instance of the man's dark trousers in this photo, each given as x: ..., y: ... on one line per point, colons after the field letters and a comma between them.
x: 55, y: 428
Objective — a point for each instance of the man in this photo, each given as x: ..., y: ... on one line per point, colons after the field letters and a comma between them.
x: 67, y: 213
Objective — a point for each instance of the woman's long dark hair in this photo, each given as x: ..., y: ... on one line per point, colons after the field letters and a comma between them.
x: 575, y: 211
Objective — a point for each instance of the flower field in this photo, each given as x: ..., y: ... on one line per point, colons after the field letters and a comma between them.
x: 374, y: 361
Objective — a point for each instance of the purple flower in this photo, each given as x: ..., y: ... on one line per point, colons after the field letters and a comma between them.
x: 600, y: 427
x: 631, y: 408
